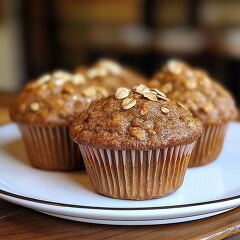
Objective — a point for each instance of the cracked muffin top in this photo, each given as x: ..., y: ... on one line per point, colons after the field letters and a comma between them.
x: 137, y: 119
x: 194, y: 88
x: 54, y: 99
x: 111, y: 75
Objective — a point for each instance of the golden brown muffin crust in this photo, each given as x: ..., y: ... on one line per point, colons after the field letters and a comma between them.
x: 193, y: 87
x: 54, y: 99
x: 111, y: 75
x: 135, y: 121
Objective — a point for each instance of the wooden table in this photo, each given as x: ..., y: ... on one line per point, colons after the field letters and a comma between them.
x: 19, y: 223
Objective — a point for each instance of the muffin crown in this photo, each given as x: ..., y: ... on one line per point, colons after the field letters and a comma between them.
x: 137, y: 119
x: 111, y: 75
x: 54, y: 99
x: 193, y: 87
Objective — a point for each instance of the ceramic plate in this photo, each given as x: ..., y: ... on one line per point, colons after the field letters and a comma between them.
x: 206, y: 191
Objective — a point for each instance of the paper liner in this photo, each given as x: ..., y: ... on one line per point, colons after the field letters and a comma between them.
x: 209, y: 145
x: 50, y: 148
x: 138, y: 175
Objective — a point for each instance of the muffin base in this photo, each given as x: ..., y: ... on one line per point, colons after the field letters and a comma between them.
x: 209, y: 145
x: 134, y: 174
x: 50, y: 148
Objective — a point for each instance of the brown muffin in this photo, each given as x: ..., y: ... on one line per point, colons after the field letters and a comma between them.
x: 136, y: 144
x: 205, y: 98
x: 43, y: 111
x: 111, y: 75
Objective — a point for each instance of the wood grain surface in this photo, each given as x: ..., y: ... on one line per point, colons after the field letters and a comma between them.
x: 19, y: 223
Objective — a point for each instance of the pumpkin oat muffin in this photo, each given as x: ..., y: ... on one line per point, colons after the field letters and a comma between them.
x: 111, y: 75
x: 205, y: 98
x: 43, y: 111
x: 136, y: 144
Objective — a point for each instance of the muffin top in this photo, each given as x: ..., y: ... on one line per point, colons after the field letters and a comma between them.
x: 137, y: 119
x: 54, y: 99
x: 111, y: 75
x: 193, y: 87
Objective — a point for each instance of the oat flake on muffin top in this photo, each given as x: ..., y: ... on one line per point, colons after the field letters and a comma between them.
x: 137, y: 119
x: 193, y: 87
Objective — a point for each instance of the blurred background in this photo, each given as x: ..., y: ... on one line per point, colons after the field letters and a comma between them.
x: 41, y: 35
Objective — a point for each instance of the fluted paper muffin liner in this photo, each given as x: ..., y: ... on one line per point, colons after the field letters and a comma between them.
x: 209, y: 145
x: 50, y: 148
x: 134, y: 174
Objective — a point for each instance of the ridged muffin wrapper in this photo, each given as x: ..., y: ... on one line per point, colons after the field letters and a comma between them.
x: 134, y: 174
x: 209, y: 145
x: 50, y: 148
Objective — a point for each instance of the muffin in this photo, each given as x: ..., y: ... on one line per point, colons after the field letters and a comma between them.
x: 205, y: 98
x: 111, y: 75
x: 136, y: 144
x: 43, y: 111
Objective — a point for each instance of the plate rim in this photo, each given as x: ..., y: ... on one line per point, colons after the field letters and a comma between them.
x: 68, y: 205
x: 215, y: 212
x: 139, y: 220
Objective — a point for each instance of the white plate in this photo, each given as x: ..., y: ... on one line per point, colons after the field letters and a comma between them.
x: 207, y: 190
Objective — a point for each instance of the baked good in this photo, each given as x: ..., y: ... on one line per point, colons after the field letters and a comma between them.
x: 111, y: 75
x: 43, y: 111
x: 136, y: 144
x: 205, y: 98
